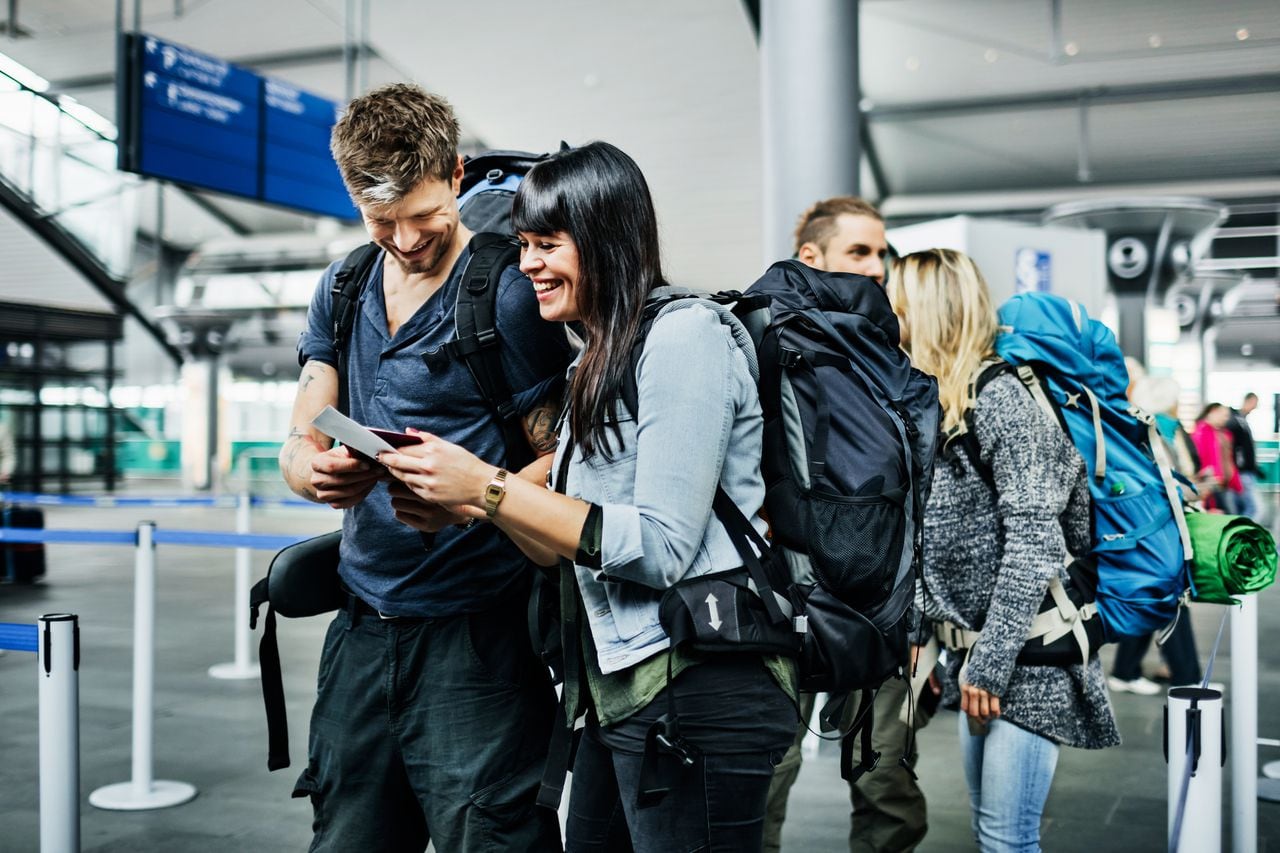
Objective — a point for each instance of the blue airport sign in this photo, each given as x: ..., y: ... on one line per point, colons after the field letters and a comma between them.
x: 201, y: 121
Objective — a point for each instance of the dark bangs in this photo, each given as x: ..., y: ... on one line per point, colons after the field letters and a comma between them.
x: 540, y: 206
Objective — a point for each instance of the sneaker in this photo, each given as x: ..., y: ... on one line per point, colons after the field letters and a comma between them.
x: 1139, y: 685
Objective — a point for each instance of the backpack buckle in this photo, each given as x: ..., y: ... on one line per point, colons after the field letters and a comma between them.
x: 494, y: 175
x: 790, y: 358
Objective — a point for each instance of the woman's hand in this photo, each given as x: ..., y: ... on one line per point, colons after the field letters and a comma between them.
x: 440, y: 472
x: 428, y: 517
x: 981, y: 706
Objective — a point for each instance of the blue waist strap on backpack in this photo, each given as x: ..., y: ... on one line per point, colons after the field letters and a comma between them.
x: 1074, y: 369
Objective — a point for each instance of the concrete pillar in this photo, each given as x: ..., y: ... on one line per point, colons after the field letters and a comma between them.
x: 809, y: 99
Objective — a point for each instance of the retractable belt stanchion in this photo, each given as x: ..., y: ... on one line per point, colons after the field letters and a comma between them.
x: 1244, y: 725
x: 143, y: 792
x: 242, y: 666
x: 57, y: 668
x: 1193, y: 735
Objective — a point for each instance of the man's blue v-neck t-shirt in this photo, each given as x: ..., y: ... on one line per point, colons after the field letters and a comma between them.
x: 383, y: 561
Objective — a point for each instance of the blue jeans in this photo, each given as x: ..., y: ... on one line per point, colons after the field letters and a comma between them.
x: 1247, y: 500
x: 1009, y: 771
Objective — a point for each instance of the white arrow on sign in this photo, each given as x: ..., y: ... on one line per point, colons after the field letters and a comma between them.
x: 715, y: 614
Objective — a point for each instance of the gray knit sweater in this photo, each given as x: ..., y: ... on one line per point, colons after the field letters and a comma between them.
x: 988, y: 559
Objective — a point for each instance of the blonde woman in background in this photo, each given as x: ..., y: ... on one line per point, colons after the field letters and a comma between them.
x: 991, y: 551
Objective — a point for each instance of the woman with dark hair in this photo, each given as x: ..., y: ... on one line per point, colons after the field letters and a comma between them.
x: 630, y: 515
x: 1217, y: 455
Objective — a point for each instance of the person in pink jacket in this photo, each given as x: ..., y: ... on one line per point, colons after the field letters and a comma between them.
x: 1217, y: 458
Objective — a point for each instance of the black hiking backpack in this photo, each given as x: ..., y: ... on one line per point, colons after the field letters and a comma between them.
x: 850, y: 429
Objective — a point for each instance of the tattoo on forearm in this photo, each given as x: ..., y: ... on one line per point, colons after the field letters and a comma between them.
x: 307, y: 378
x: 541, y: 425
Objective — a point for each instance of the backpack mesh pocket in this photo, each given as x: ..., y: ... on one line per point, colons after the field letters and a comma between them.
x: 855, y: 544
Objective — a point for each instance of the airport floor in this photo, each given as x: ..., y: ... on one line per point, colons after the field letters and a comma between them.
x: 211, y: 733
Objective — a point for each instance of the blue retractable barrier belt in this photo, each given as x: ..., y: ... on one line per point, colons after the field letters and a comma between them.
x: 36, y: 534
x: 19, y: 638
x: 228, y: 501
x: 201, y: 538
x: 210, y: 539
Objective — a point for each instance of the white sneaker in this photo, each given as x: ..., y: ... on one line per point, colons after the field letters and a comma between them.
x: 1141, y: 686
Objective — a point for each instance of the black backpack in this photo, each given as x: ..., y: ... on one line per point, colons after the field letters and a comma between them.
x: 849, y: 438
x: 303, y: 578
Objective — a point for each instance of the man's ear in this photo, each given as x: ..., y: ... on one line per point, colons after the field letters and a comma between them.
x: 457, y: 176
x: 810, y: 255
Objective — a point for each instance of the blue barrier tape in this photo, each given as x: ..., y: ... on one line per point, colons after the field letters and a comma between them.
x: 257, y: 501
x: 103, y: 537
x: 112, y: 501
x: 19, y: 638
x: 228, y: 501
x: 208, y: 539
x: 201, y: 538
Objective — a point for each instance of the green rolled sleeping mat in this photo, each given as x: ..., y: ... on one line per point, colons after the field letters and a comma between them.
x: 1233, y: 556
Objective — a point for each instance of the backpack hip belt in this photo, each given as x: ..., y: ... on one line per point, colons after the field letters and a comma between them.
x: 1047, y: 626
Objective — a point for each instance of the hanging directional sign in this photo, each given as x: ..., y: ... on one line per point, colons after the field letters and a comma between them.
x: 198, y: 120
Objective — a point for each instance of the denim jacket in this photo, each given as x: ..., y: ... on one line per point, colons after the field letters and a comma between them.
x: 699, y: 425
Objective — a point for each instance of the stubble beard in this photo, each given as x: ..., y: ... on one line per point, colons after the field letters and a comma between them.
x: 430, y: 264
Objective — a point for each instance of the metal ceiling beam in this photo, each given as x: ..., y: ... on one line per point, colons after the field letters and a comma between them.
x: 883, y: 190
x: 84, y: 263
x: 235, y: 226
x: 1217, y: 87
x: 260, y: 62
x: 753, y: 14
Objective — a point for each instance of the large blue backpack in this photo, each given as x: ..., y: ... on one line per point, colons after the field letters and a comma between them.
x: 1074, y: 369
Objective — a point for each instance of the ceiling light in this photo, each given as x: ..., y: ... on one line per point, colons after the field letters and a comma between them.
x: 991, y: 55
x: 1154, y: 40
x: 22, y: 74
x: 1242, y: 34
x: 1246, y: 350
x: 1071, y: 48
x: 913, y: 64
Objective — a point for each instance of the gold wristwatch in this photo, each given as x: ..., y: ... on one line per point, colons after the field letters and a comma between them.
x: 495, y: 492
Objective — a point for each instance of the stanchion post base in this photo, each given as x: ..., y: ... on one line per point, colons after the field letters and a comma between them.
x: 1269, y: 790
x: 1271, y: 770
x: 234, y: 671
x: 124, y: 797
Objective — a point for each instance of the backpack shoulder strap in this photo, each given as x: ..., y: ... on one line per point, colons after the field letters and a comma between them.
x: 348, y: 284
x: 477, y: 344
x: 630, y: 390
x: 968, y: 440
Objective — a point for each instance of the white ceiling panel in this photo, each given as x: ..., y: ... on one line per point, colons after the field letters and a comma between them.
x: 676, y: 85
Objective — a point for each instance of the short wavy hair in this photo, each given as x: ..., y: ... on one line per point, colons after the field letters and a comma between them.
x: 391, y: 140
x: 817, y: 225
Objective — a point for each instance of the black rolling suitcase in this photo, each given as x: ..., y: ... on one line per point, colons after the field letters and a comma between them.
x: 22, y: 562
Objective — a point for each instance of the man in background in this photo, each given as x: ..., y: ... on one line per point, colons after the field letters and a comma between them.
x: 846, y: 234
x: 1246, y: 454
